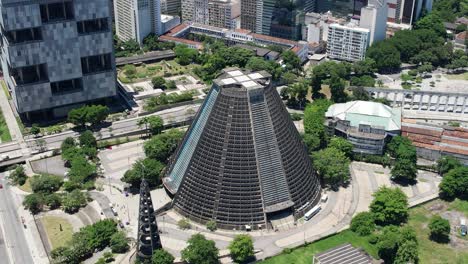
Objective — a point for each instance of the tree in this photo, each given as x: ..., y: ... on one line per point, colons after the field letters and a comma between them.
x: 314, y: 128
x: 200, y: 251
x: 72, y: 201
x: 364, y: 67
x: 386, y: 56
x: 360, y: 94
x: 342, y: 145
x: 297, y: 93
x: 365, y: 81
x: 161, y: 256
x: 100, y: 233
x: 81, y: 170
x: 211, y: 225
x: 161, y: 146
x: 387, y: 245
x: 405, y: 167
x: 431, y: 22
x: 18, y: 175
x: 154, y: 124
x: 151, y: 42
x: 407, y: 253
x: 93, y: 114
x: 337, y: 86
x: 291, y: 60
x: 96, y: 114
x: 241, y: 248
x: 363, y: 224
x: 77, y: 116
x: 440, y: 229
x: 148, y: 169
x: 119, y: 242
x: 332, y: 165
x: 53, y: 200
x: 46, y: 183
x: 455, y: 184
x: 446, y: 164
x: 68, y: 143
x: 185, y: 55
x: 35, y: 130
x: 158, y: 82
x: 87, y: 139
x: 395, y: 143
x: 390, y: 206
x: 33, y: 202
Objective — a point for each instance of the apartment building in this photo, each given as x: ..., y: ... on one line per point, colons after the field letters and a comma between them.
x: 347, y: 42
x: 195, y: 11
x: 135, y: 19
x: 223, y: 13
x: 57, y: 55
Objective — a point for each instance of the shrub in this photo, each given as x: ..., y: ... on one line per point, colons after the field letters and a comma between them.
x: 211, y: 225
x: 363, y: 224
x: 119, y: 243
x: 184, y: 224
x: 440, y: 229
x: 46, y: 183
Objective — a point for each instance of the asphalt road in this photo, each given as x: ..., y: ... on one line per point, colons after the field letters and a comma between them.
x: 13, y: 246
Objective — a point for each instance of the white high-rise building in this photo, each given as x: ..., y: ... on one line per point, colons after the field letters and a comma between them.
x: 374, y: 18
x: 135, y: 19
x: 347, y: 42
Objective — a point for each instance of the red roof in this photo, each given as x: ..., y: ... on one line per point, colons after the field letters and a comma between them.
x: 461, y: 36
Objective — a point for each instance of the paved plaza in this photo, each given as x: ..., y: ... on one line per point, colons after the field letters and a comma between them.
x: 335, y: 215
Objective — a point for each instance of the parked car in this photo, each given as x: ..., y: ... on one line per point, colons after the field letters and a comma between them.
x: 463, y: 228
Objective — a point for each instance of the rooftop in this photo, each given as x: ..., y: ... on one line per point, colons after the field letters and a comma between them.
x: 344, y: 254
x: 246, y: 80
x: 369, y: 113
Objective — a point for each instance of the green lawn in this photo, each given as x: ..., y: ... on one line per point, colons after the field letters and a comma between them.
x: 304, y: 254
x: 52, y: 226
x: 429, y: 252
x: 4, y: 132
x: 148, y: 71
x: 462, y: 76
x: 26, y: 187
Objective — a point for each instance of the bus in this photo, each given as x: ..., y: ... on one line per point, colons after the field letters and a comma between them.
x: 312, y: 212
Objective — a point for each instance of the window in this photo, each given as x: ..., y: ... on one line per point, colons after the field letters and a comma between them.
x: 23, y: 35
x: 97, y: 63
x: 29, y: 74
x: 57, y: 11
x: 93, y: 25
x: 66, y: 86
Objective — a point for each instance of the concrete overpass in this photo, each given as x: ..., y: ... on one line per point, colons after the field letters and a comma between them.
x: 431, y: 101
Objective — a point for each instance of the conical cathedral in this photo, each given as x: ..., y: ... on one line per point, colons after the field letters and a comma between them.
x: 148, y: 234
x: 242, y: 161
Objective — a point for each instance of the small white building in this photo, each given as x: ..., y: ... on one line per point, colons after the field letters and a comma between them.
x: 347, y: 42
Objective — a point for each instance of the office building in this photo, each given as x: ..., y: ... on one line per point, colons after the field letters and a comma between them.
x: 171, y: 7
x: 195, y: 11
x: 242, y: 161
x: 347, y: 42
x: 249, y: 15
x: 57, y: 55
x: 223, y: 13
x: 405, y: 11
x: 367, y: 125
x: 136, y: 19
x: 374, y: 18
